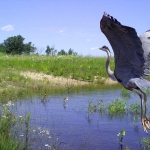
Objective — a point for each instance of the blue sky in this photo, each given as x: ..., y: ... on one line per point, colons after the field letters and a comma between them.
x: 65, y: 24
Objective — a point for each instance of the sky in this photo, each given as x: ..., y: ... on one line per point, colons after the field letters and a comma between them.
x: 65, y: 24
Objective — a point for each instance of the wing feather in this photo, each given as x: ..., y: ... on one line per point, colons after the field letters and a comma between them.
x: 127, y: 47
x: 145, y: 39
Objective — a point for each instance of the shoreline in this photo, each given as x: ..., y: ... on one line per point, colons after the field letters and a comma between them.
x: 58, y: 80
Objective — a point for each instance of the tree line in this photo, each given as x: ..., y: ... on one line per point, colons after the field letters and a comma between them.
x: 16, y: 45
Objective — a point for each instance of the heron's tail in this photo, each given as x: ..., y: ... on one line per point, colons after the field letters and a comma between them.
x: 142, y: 83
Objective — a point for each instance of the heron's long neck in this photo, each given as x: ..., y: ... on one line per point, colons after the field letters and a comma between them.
x: 109, y: 71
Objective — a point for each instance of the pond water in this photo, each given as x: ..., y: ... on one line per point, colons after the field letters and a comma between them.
x: 55, y: 124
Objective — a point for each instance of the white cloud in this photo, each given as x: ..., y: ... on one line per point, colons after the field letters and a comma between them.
x: 61, y: 31
x: 88, y: 40
x: 94, y: 48
x: 8, y: 28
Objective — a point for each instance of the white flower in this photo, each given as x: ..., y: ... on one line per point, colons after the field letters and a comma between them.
x: 47, y: 132
x: 21, y: 135
x: 47, y: 145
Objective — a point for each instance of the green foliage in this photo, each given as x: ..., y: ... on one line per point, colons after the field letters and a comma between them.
x: 145, y: 143
x: 14, y: 84
x: 2, y: 48
x: 117, y: 106
x: 15, y: 45
x: 121, y: 134
x: 80, y: 68
x: 50, y: 51
x: 7, y: 123
x: 98, y: 106
x: 29, y: 48
x: 135, y: 107
x: 92, y: 107
x: 71, y: 52
x: 62, y: 52
x: 125, y: 93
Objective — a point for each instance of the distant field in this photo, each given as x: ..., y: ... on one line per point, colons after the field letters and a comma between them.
x: 76, y: 67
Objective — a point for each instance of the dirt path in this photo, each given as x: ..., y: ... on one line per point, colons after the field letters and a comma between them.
x: 59, y: 80
x: 54, y: 80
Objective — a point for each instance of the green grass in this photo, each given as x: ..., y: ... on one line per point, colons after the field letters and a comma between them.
x: 117, y: 106
x: 77, y: 67
x: 7, y: 123
x: 14, y: 85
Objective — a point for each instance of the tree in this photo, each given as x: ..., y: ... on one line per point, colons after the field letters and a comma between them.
x: 29, y: 48
x: 62, y: 52
x: 54, y: 51
x: 48, y: 50
x: 71, y: 52
x: 15, y: 45
x: 2, y: 48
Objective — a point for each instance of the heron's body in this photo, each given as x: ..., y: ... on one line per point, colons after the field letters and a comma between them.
x: 131, y: 54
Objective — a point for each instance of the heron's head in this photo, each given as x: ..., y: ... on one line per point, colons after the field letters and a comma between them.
x: 104, y: 48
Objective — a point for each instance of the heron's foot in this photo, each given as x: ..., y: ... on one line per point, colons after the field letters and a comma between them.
x: 146, y: 124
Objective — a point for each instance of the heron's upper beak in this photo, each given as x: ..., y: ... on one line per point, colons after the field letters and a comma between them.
x: 100, y: 49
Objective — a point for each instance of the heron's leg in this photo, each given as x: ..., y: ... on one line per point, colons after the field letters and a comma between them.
x: 144, y: 101
x: 141, y: 98
x: 145, y: 121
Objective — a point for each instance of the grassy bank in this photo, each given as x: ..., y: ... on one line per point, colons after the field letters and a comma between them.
x: 76, y: 67
x: 15, y: 83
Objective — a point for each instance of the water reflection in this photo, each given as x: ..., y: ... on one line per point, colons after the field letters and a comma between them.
x: 63, y: 121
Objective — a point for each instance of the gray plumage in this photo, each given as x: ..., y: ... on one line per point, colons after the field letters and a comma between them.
x: 131, y: 55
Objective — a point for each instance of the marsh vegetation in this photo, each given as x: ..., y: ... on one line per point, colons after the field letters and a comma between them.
x: 39, y: 107
x: 19, y: 78
x: 81, y: 120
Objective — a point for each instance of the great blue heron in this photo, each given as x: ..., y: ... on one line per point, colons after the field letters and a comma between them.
x: 132, y: 58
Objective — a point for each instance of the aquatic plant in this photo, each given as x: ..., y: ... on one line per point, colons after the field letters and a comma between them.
x: 135, y: 107
x: 101, y: 106
x: 127, y: 148
x: 117, y: 106
x: 98, y: 106
x: 145, y: 143
x: 121, y: 134
x: 91, y: 107
x: 125, y: 93
x: 147, y: 91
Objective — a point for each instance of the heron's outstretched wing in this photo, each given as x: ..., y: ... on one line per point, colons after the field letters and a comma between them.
x: 127, y: 47
x: 145, y: 39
